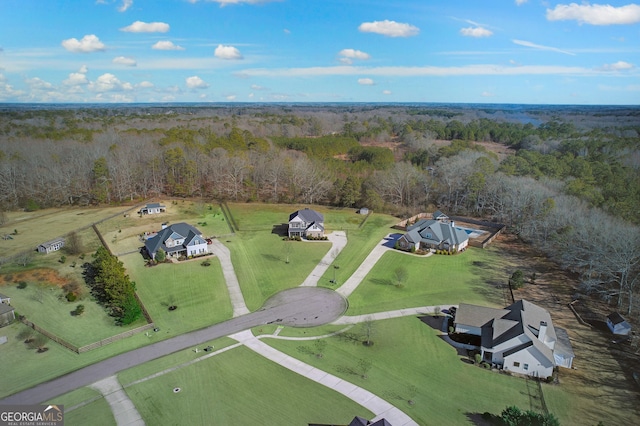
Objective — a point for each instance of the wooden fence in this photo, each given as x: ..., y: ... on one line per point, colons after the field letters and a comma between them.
x: 50, y: 335
x: 115, y: 338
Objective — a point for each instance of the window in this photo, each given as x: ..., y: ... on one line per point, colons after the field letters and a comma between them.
x: 526, y: 367
x: 516, y: 364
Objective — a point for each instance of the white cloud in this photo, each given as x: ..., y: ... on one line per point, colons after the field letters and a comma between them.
x: 617, y: 66
x: 227, y: 52
x: 38, y: 84
x: 124, y: 60
x: 389, y: 28
x: 346, y: 55
x: 476, y: 32
x: 126, y: 4
x: 109, y: 83
x: 146, y: 84
x: 196, y: 82
x: 146, y: 27
x: 76, y: 79
x: 386, y: 92
x: 83, y: 69
x: 230, y: 97
x: 521, y: 2
x: 366, y: 81
x: 88, y: 43
x: 166, y: 45
x: 486, y: 94
x: 256, y: 87
x: 541, y: 47
x: 595, y: 14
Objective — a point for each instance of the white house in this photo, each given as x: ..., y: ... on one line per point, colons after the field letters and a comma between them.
x: 152, y: 208
x: 179, y: 239
x: 434, y: 234
x: 51, y: 246
x: 306, y: 223
x: 520, y: 338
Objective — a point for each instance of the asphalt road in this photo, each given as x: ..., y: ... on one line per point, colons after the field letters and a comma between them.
x: 297, y: 307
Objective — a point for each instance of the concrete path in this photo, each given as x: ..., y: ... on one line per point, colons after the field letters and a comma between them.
x: 375, y: 404
x: 122, y: 408
x: 354, y: 280
x: 233, y: 286
x: 423, y: 310
x: 338, y: 240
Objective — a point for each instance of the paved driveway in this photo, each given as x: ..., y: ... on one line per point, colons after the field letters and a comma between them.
x: 298, y: 307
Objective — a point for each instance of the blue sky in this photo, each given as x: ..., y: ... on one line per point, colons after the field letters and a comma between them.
x: 492, y: 51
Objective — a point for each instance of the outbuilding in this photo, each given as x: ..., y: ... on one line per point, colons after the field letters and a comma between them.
x: 618, y: 325
x: 51, y: 246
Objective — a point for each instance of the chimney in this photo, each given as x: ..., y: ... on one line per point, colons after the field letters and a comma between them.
x: 542, y: 333
x: 453, y: 224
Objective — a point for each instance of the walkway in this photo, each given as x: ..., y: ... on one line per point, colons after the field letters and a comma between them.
x: 338, y: 240
x: 123, y: 410
x: 424, y: 310
x: 354, y: 280
x: 233, y: 286
x: 375, y: 404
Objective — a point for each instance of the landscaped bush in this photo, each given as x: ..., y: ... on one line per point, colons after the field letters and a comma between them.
x: 22, y: 285
x: 71, y: 297
x: 205, y: 263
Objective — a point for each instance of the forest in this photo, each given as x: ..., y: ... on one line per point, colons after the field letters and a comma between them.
x: 564, y: 179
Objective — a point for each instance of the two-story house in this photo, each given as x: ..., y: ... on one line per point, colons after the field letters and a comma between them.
x: 306, y: 223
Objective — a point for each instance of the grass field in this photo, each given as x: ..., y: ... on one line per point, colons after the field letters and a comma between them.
x: 44, y: 225
x: 199, y: 292
x: 410, y: 362
x: 430, y: 281
x: 239, y: 387
x: 46, y: 306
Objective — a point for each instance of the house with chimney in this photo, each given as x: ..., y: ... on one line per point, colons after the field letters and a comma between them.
x: 520, y: 338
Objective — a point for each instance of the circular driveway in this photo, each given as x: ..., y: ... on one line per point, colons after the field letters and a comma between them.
x: 306, y: 306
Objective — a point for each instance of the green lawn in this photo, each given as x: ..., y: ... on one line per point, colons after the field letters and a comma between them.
x: 46, y: 306
x: 433, y: 280
x: 360, y: 242
x: 259, y: 260
x: 24, y: 368
x: 199, y: 292
x: 239, y: 387
x: 410, y: 362
x: 97, y: 412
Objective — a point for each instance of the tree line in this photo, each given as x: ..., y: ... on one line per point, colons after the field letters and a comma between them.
x: 570, y: 190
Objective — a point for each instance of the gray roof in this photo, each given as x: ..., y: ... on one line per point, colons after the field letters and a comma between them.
x: 431, y: 231
x: 438, y: 215
x: 477, y: 316
x: 154, y: 205
x: 616, y: 318
x: 181, y: 229
x: 563, y: 344
x: 3, y: 296
x: 4, y: 308
x: 307, y: 215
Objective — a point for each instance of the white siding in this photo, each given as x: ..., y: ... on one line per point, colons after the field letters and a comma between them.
x: 528, y: 361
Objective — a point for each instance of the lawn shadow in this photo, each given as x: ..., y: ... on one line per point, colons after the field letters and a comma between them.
x: 281, y: 229
x: 272, y: 257
x: 480, y: 419
x: 381, y: 281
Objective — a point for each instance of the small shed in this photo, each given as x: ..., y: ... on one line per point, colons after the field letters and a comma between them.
x: 618, y: 325
x: 363, y: 210
x: 7, y: 314
x: 153, y: 208
x: 439, y: 216
x: 51, y: 246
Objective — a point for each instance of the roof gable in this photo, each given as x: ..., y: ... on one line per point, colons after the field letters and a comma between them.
x: 307, y: 215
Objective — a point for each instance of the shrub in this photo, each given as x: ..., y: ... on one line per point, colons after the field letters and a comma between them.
x: 71, y: 297
x: 79, y: 310
x: 63, y: 259
x: 517, y: 279
x: 22, y: 285
x: 478, y: 358
x: 205, y: 263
